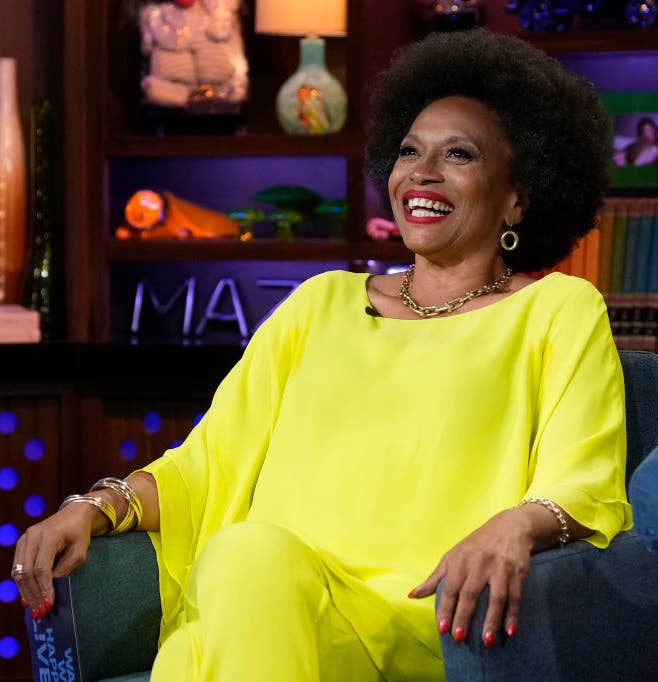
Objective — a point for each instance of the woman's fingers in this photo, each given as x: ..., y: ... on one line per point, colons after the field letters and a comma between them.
x: 70, y: 559
x: 514, y: 602
x: 498, y: 599
x: 43, y: 570
x: 428, y: 587
x: 54, y: 546
x: 29, y: 587
x: 462, y: 590
x: 449, y: 596
x: 466, y: 603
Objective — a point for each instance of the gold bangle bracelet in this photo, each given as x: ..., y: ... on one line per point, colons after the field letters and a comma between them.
x: 564, y: 536
x: 98, y: 502
x: 134, y: 511
x: 127, y: 523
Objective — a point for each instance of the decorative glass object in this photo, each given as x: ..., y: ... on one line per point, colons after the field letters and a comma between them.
x: 12, y: 187
x: 311, y: 101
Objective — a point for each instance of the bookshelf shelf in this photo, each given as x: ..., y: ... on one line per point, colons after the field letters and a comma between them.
x: 117, y: 250
x: 120, y: 146
x: 595, y: 40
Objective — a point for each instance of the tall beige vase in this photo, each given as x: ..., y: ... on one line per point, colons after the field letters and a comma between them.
x: 13, y: 214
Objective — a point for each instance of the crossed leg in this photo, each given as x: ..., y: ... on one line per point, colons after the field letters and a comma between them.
x: 258, y: 608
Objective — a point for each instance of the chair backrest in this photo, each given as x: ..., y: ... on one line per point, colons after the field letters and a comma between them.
x: 641, y: 379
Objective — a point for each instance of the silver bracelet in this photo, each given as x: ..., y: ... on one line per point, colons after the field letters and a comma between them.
x: 564, y: 536
x: 98, y: 502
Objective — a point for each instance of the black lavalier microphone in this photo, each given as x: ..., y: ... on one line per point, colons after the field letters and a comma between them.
x: 372, y: 312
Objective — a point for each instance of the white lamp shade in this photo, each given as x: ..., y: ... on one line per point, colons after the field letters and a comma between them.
x: 302, y: 17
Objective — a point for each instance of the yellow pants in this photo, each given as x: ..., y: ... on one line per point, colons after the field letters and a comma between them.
x: 258, y: 609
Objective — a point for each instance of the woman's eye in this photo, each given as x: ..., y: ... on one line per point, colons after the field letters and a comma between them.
x: 407, y: 150
x: 460, y: 154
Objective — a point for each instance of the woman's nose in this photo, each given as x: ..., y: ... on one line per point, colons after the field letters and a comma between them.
x: 425, y: 172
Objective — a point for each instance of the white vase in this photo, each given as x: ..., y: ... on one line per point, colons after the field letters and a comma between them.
x: 13, y: 214
x: 311, y: 101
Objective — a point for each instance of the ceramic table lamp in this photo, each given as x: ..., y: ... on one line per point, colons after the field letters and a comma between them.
x: 311, y: 101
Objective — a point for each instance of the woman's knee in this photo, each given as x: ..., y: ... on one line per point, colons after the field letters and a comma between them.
x: 256, y: 556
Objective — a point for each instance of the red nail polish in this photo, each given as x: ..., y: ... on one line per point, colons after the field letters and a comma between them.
x: 35, y: 614
x: 459, y: 634
x: 444, y: 626
x: 47, y: 604
x: 488, y: 638
x: 23, y: 603
x: 411, y: 594
x: 511, y: 630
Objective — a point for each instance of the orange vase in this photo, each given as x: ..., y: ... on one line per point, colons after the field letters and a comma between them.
x: 12, y: 187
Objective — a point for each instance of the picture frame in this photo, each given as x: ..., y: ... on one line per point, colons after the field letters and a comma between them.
x: 634, y: 117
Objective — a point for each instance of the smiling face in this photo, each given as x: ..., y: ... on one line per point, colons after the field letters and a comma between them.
x: 450, y: 188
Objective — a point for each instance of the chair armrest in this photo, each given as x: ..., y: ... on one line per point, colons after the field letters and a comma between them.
x: 643, y: 496
x: 586, y: 614
x: 106, y: 616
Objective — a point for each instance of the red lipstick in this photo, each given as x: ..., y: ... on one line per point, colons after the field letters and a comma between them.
x: 423, y: 194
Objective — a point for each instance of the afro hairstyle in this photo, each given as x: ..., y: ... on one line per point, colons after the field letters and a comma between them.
x: 556, y: 126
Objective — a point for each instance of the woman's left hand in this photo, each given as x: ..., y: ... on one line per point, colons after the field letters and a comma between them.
x: 496, y: 554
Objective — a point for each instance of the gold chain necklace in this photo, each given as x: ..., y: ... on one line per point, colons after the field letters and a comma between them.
x: 449, y: 306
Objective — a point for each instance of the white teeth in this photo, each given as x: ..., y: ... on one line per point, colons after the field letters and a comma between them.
x: 420, y: 213
x: 428, y: 203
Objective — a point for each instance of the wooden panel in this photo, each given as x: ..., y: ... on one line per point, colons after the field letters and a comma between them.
x: 123, y: 425
x: 38, y: 417
x: 202, y: 249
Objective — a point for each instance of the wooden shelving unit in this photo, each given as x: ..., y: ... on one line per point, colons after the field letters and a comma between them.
x: 103, y: 111
x: 102, y: 67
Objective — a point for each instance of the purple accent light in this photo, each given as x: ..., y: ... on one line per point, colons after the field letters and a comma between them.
x: 9, y: 647
x: 152, y: 422
x: 8, y: 535
x: 8, y: 591
x: 34, y: 449
x: 615, y: 71
x: 34, y: 505
x: 197, y: 418
x: 8, y: 422
x: 8, y: 478
x: 128, y: 449
x: 175, y: 444
x: 223, y: 183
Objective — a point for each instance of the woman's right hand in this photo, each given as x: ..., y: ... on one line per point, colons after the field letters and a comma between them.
x: 53, y: 548
x: 59, y: 544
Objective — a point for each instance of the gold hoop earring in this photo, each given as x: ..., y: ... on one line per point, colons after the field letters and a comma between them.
x: 503, y: 240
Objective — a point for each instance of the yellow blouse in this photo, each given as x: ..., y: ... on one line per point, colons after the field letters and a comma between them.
x: 384, y: 442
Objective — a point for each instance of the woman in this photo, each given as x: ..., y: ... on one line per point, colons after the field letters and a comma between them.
x: 347, y: 453
x: 645, y: 149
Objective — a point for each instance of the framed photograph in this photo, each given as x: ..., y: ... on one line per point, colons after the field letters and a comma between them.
x: 634, y: 118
